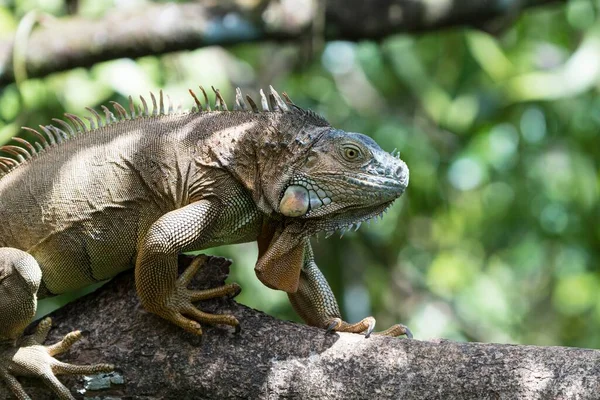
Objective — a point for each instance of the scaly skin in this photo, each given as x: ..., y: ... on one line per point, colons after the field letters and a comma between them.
x: 143, y: 189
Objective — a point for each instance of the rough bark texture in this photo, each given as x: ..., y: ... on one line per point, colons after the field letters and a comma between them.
x: 276, y: 359
x: 77, y: 42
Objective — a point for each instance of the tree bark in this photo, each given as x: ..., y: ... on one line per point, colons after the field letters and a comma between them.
x: 273, y: 359
x: 66, y: 43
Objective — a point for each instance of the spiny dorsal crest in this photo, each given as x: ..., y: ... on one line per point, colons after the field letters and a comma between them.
x: 53, y: 135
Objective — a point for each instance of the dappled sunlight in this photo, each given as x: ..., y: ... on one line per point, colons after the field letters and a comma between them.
x: 434, y: 9
x: 535, y: 378
x: 465, y: 173
x: 577, y: 75
x: 345, y: 351
x: 339, y: 58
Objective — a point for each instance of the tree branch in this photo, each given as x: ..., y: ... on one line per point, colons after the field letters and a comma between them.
x: 78, y: 42
x: 277, y: 359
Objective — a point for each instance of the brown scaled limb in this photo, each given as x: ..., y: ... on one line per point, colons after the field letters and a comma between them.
x: 31, y: 358
x: 366, y: 327
x: 315, y: 303
x: 396, y: 330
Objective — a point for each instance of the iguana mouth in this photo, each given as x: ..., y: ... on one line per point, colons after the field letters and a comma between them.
x: 302, y: 196
x: 342, y: 221
x: 356, y: 223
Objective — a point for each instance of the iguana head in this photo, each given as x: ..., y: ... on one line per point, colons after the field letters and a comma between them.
x: 320, y: 178
x: 307, y: 174
x: 342, y: 179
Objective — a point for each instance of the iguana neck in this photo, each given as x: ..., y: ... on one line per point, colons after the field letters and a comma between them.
x: 257, y: 149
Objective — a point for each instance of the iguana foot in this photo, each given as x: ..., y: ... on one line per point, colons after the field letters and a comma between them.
x: 32, y: 358
x: 366, y: 327
x: 180, y: 306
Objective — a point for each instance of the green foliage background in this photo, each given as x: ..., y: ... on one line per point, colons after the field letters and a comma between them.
x: 498, y: 236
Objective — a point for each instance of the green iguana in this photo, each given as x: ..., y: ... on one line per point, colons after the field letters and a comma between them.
x: 82, y: 203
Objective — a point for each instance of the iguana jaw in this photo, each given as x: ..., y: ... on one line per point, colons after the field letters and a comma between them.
x: 327, y: 194
x: 337, y: 208
x: 332, y: 191
x: 345, y: 220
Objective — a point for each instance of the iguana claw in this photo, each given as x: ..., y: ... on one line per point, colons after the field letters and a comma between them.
x: 32, y: 358
x: 397, y: 330
x: 184, y: 313
x: 366, y: 327
x: 370, y: 328
x: 336, y: 322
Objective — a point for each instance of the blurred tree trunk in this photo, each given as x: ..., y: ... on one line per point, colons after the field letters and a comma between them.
x: 277, y: 359
x: 62, y: 44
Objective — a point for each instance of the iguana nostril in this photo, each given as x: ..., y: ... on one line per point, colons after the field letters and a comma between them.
x: 400, y: 171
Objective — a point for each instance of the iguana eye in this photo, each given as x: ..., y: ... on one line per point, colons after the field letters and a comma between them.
x: 351, y: 152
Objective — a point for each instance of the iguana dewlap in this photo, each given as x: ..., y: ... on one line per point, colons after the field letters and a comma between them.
x: 82, y: 203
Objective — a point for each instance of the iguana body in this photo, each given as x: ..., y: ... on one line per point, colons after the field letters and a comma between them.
x: 144, y: 188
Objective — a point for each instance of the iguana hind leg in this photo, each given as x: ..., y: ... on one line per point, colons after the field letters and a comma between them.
x: 20, y: 277
x: 315, y: 303
x: 158, y: 286
x: 32, y: 358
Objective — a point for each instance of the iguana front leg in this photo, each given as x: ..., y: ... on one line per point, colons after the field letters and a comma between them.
x: 315, y: 303
x: 20, y: 277
x: 160, y: 290
x: 286, y: 262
